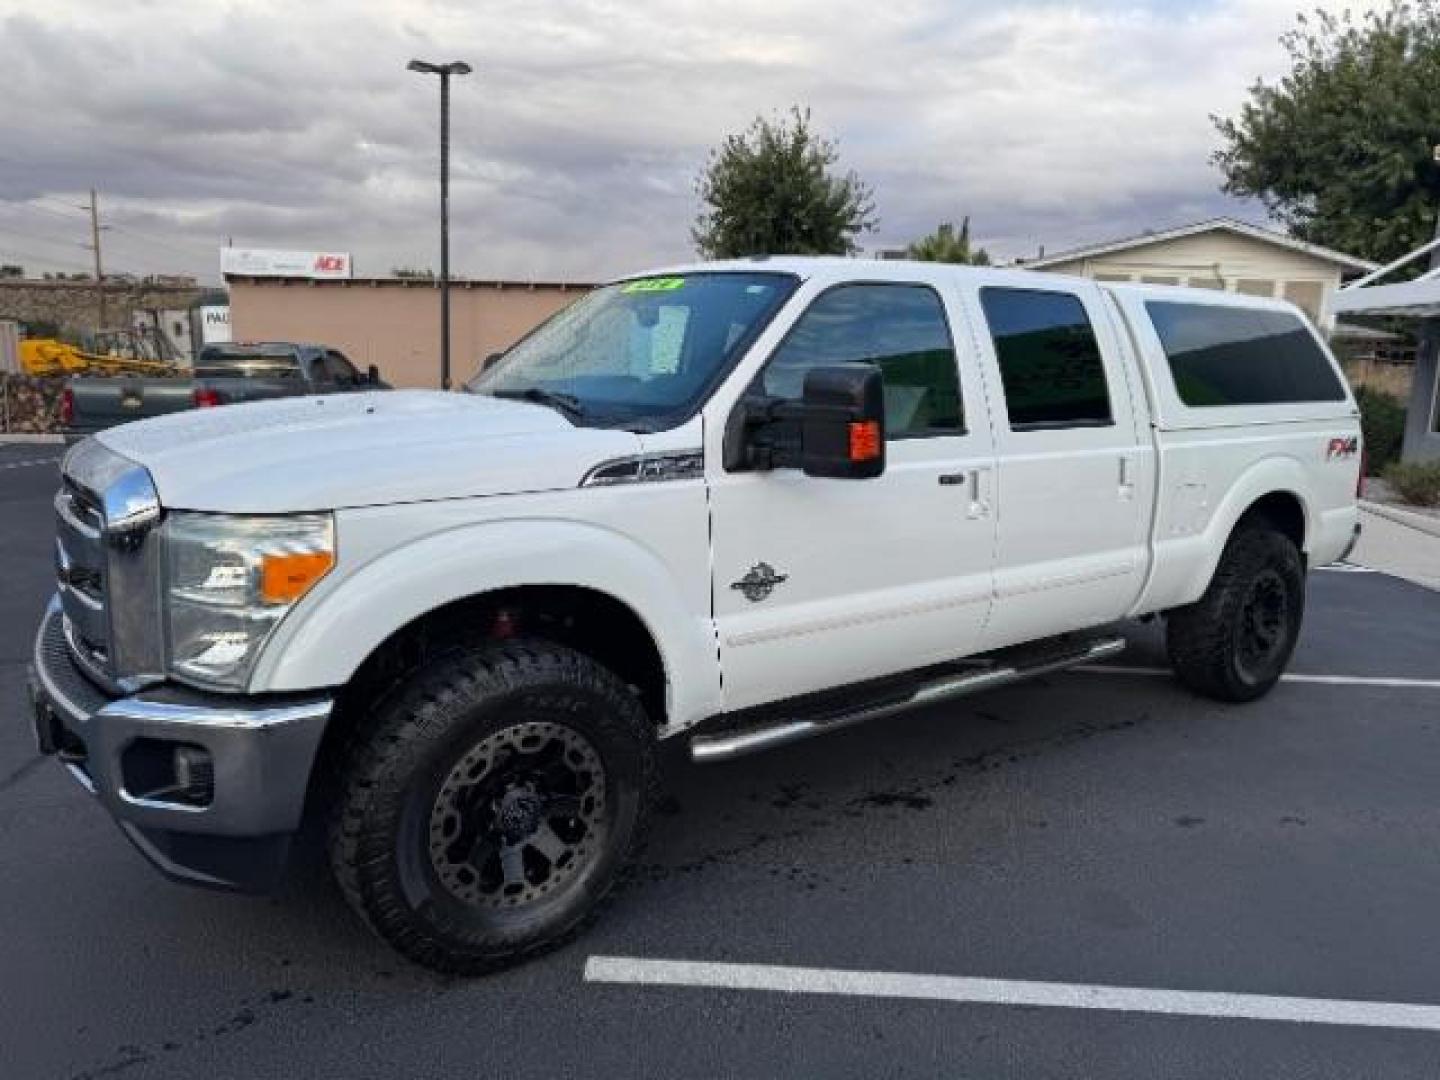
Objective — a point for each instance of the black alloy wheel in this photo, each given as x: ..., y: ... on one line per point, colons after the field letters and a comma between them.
x: 492, y: 802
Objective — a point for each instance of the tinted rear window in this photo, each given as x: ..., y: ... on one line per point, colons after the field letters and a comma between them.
x: 1241, y: 356
x: 247, y: 364
x: 1049, y: 359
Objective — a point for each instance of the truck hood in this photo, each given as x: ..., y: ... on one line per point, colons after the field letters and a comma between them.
x: 361, y: 449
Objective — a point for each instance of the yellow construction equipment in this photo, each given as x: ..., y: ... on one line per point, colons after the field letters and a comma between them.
x: 47, y: 356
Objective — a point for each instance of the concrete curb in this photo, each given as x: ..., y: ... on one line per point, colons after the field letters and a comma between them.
x: 31, y: 439
x: 1424, y: 523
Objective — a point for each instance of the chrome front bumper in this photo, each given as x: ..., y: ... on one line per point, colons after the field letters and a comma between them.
x: 259, y: 750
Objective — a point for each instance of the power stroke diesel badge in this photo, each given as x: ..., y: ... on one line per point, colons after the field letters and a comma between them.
x: 759, y: 582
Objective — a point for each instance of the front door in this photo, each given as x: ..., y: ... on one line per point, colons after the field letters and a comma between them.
x: 820, y: 582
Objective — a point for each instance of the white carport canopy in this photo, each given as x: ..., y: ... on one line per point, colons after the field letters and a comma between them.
x: 1418, y: 299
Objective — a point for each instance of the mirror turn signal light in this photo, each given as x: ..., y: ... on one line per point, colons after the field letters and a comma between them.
x: 286, y: 577
x: 864, y: 440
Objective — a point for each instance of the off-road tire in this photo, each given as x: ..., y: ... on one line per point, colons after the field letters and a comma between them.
x: 1206, y: 639
x: 396, y: 765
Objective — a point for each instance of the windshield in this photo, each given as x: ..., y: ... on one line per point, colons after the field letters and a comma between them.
x: 639, y: 354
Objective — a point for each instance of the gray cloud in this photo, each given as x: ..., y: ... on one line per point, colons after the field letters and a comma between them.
x: 577, y: 141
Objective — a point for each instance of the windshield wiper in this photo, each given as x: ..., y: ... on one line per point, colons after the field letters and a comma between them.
x: 568, y: 404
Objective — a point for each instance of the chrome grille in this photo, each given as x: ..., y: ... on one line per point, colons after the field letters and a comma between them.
x: 80, y: 573
x: 108, y: 577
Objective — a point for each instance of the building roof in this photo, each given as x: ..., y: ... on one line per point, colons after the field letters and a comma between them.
x: 1220, y: 224
x: 406, y: 282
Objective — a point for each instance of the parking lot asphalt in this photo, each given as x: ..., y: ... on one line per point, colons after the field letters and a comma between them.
x: 1087, y: 828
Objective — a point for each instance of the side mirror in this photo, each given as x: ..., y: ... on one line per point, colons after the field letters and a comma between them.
x: 842, y: 422
x: 372, y: 373
x: 835, y: 430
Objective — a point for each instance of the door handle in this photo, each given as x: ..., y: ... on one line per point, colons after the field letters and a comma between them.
x: 1127, y: 477
x: 970, y: 478
x: 978, y: 507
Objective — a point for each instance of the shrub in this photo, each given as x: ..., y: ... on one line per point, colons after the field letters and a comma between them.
x: 1382, y: 420
x: 1417, y: 482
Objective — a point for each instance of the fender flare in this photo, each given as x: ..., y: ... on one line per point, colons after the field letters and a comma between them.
x: 326, y: 639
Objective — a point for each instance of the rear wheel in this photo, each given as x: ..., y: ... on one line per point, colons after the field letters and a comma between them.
x: 491, y: 804
x: 1234, y: 643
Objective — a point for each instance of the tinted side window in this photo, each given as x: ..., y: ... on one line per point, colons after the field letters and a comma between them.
x: 1049, y: 359
x: 1241, y: 356
x: 900, y: 328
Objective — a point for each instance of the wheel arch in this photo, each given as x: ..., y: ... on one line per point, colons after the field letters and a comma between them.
x: 1273, y: 490
x: 460, y: 578
x: 582, y: 618
x: 1284, y: 511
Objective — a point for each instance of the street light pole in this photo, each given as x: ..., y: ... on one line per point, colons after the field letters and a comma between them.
x: 455, y: 67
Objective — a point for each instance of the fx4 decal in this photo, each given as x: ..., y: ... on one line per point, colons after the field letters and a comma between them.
x: 1342, y: 447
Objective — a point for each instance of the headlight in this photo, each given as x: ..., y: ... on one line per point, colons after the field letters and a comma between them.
x: 230, y: 581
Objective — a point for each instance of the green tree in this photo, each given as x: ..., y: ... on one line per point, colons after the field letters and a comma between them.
x: 1342, y: 149
x: 770, y: 190
x: 945, y: 245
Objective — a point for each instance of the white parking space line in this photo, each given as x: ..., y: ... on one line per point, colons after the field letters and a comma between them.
x: 28, y: 462
x: 1347, y: 568
x: 1325, y: 680
x: 1053, y: 995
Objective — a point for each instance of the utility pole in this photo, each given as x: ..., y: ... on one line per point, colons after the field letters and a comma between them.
x: 95, y: 247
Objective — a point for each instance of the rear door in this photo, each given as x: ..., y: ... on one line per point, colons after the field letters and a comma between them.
x: 823, y: 582
x: 1075, y: 478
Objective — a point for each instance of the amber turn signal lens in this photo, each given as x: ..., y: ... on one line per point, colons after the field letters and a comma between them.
x: 287, y: 577
x: 864, y: 440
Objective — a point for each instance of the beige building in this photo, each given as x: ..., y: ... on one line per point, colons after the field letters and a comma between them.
x: 394, y: 323
x: 1219, y: 254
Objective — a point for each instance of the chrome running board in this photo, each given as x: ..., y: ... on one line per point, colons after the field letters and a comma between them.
x: 987, y: 675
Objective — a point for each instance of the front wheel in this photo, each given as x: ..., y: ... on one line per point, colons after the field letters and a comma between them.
x: 491, y: 803
x: 1234, y: 643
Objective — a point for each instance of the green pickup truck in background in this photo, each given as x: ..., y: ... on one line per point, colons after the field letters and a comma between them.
x: 222, y: 375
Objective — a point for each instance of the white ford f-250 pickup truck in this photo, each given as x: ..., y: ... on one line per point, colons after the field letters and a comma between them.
x: 738, y: 503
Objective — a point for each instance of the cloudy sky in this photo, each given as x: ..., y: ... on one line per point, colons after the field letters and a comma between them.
x: 294, y: 124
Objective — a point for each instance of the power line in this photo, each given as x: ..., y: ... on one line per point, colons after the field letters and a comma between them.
x: 50, y: 260
x: 35, y: 236
x: 152, y: 239
x: 31, y: 205
x: 47, y: 205
x: 72, y: 209
x: 69, y: 212
x: 189, y: 255
x: 131, y: 230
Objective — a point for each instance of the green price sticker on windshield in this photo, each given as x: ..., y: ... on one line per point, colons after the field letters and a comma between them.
x: 654, y: 284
